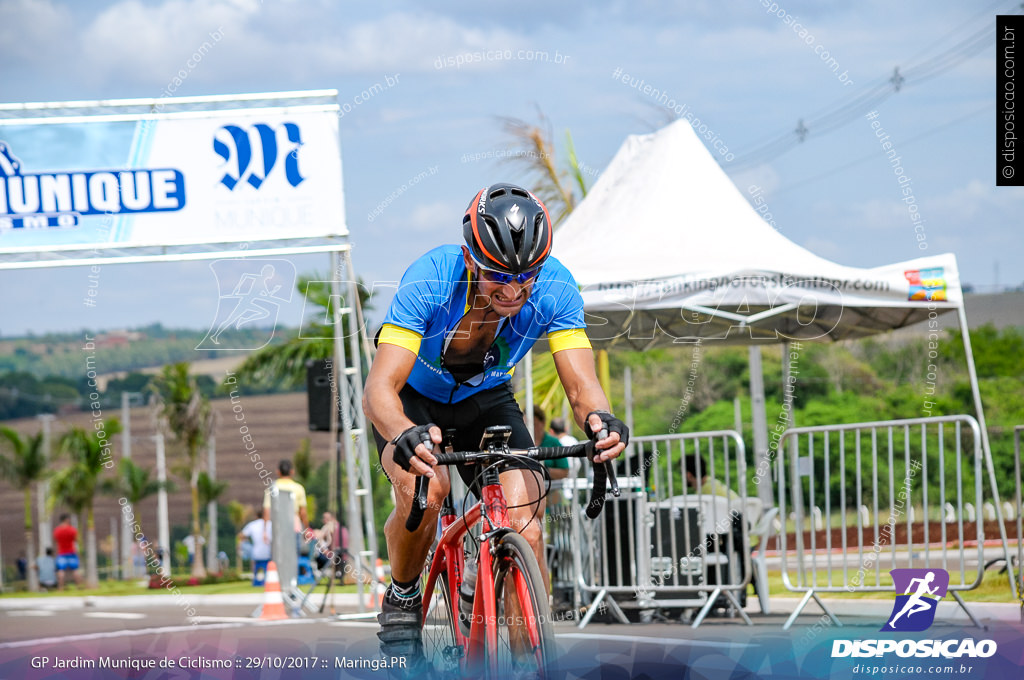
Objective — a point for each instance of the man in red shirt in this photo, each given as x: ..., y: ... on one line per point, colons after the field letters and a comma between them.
x: 66, y: 536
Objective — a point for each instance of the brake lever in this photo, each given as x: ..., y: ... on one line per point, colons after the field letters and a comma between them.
x: 419, y: 498
x: 609, y: 469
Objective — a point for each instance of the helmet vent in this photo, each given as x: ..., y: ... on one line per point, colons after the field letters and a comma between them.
x: 497, y: 194
x: 518, y: 192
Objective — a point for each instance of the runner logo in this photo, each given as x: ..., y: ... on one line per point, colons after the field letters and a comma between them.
x: 921, y: 591
x: 251, y: 295
x: 253, y: 163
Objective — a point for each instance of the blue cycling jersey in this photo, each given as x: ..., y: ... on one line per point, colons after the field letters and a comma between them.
x: 434, y: 296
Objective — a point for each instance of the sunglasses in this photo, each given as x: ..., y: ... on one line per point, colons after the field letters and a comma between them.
x: 502, y: 278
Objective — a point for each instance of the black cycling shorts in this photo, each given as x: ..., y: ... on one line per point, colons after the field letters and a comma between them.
x: 469, y: 417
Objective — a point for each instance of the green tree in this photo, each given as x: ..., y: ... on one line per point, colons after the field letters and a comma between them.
x: 210, y: 491
x: 186, y: 414
x: 134, y: 484
x: 239, y: 514
x: 23, y: 466
x: 286, y: 362
x: 76, y: 485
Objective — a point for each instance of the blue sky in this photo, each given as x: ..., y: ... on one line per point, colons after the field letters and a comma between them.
x: 746, y: 73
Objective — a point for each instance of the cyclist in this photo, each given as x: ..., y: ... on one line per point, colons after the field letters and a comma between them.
x: 460, y: 321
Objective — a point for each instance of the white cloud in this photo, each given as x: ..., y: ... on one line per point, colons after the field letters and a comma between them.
x: 763, y: 176
x: 435, y: 216
x: 28, y: 29
x: 136, y: 41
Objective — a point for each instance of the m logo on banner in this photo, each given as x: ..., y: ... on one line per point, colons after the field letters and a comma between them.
x: 253, y: 163
x: 921, y: 591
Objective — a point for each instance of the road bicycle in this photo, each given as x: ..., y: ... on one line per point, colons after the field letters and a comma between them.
x: 510, y: 630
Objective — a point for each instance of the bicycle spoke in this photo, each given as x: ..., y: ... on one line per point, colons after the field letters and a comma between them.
x: 439, y: 642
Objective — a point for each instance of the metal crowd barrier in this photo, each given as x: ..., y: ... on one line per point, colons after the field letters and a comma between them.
x: 869, y: 482
x: 660, y: 545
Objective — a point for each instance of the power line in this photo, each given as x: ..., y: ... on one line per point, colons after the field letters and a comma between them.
x: 842, y: 112
x: 874, y: 155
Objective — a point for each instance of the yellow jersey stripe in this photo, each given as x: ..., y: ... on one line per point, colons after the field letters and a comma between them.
x: 403, y: 337
x: 573, y: 338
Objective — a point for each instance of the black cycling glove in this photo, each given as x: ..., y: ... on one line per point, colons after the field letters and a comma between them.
x: 405, y: 444
x: 610, y: 423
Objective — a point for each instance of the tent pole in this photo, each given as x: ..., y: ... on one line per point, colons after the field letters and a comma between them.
x: 796, y: 484
x: 975, y: 390
x: 759, y: 423
x: 627, y: 378
x: 528, y: 400
x: 604, y: 376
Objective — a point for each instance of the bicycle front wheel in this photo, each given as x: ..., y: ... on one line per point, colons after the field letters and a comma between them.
x: 525, y: 637
x: 440, y: 645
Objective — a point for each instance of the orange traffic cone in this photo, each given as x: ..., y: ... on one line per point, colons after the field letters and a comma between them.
x: 273, y: 601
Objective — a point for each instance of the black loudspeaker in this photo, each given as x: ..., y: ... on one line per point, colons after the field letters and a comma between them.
x: 619, y: 552
x: 677, y: 527
x: 319, y: 373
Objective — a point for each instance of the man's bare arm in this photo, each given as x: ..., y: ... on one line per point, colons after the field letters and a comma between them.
x: 579, y: 378
x: 382, y: 405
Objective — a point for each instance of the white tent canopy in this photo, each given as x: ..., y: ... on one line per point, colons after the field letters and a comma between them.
x: 666, y: 249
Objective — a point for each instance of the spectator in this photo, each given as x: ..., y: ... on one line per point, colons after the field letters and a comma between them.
x: 557, y: 469
x: 706, y: 485
x: 65, y: 537
x: 46, y: 565
x: 331, y: 542
x: 561, y: 431
x: 260, y: 533
x: 190, y: 545
x: 285, y: 483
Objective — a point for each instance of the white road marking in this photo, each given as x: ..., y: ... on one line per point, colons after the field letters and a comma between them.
x: 650, y: 640
x: 31, y: 612
x: 127, y: 616
x: 147, y: 631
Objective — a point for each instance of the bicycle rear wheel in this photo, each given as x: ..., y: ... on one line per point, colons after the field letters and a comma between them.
x: 525, y: 637
x: 439, y: 641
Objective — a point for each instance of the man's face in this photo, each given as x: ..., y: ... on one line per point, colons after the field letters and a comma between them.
x: 504, y: 299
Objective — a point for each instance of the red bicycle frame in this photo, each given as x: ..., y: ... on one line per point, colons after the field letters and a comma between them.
x: 449, y: 557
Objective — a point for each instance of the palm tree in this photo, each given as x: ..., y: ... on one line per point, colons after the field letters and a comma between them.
x: 23, y: 468
x: 186, y: 414
x: 210, y: 490
x: 287, y: 361
x: 133, y: 483
x: 239, y: 514
x: 557, y: 188
x: 76, y: 485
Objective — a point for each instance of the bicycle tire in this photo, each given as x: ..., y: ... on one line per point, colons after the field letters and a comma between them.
x: 526, y: 641
x: 440, y: 644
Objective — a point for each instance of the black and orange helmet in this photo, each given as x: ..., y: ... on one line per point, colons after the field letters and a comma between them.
x: 507, y: 229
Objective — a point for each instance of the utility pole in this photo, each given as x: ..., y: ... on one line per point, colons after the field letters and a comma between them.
x: 163, y: 526
x: 127, y: 566
x: 43, y: 487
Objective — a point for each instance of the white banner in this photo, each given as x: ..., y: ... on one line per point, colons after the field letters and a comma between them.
x: 932, y: 279
x: 217, y: 177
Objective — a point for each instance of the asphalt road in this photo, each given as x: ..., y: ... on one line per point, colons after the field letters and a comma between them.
x: 158, y: 641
